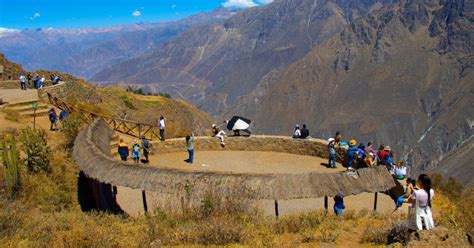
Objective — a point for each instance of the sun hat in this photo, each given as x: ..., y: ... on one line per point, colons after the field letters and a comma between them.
x: 331, y: 139
x: 297, y: 126
x: 352, y: 142
x: 214, y: 125
x: 387, y: 148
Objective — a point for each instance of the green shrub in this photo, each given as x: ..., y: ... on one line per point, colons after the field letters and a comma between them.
x: 36, y: 149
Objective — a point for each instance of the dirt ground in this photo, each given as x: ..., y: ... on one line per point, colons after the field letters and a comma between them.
x: 244, y: 162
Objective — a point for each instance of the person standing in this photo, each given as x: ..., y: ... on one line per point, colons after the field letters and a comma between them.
x: 337, y: 138
x: 36, y: 81
x: 339, y: 204
x: 190, y: 148
x: 62, y: 117
x: 420, y: 216
x: 53, y: 119
x: 332, y: 153
x: 136, y: 152
x: 161, y: 125
x: 146, y: 148
x: 351, y: 154
x: 23, y: 82
x: 42, y: 80
x: 123, y: 150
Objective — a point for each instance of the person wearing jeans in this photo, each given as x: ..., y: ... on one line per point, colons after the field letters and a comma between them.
x: 190, y: 148
x: 332, y: 153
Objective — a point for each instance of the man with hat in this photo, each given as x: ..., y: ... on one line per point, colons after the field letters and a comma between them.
x: 218, y: 133
x: 351, y: 154
x: 146, y: 148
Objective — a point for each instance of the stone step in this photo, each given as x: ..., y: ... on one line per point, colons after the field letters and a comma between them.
x: 31, y: 113
x: 22, y: 108
x: 18, y: 104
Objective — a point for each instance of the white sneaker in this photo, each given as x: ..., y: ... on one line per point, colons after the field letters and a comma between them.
x: 349, y: 168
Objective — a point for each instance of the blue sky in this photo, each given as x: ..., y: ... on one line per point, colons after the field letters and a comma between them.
x: 20, y: 14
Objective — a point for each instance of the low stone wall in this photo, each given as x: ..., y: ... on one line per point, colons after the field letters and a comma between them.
x: 97, y: 164
x: 309, y: 147
x: 58, y: 90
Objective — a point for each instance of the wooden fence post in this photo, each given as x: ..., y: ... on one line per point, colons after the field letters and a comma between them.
x: 276, y: 209
x: 145, y: 206
x: 375, y: 200
x: 326, y: 202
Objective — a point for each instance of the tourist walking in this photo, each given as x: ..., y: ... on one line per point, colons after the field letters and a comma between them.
x: 297, y: 132
x: 136, y: 151
x: 218, y: 133
x: 123, y: 150
x: 332, y: 153
x: 63, y: 117
x: 23, y: 82
x: 53, y: 119
x: 190, y: 148
x: 419, y: 215
x: 161, y: 125
x: 339, y: 204
x: 146, y: 148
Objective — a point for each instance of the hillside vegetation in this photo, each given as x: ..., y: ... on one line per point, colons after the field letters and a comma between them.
x: 46, y: 213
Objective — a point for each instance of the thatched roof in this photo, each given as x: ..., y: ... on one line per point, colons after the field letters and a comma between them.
x: 92, y: 154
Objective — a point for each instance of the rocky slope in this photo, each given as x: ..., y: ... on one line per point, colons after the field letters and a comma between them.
x: 84, y: 52
x: 402, y: 75
x: 213, y: 65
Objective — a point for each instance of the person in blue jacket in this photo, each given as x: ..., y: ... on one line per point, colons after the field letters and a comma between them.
x: 339, y: 204
x: 123, y: 150
x: 351, y: 154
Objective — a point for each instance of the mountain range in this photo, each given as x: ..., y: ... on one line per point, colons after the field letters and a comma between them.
x: 86, y: 51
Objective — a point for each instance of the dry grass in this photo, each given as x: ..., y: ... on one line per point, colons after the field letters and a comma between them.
x: 47, y: 214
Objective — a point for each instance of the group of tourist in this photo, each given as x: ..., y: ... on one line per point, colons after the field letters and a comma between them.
x: 301, y: 133
x: 124, y: 151
x: 38, y: 82
x: 53, y: 119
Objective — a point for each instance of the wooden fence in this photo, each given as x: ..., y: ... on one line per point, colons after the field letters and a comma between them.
x: 129, y: 127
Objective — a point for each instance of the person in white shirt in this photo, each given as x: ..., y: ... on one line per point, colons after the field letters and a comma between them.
x: 297, y: 133
x: 420, y: 216
x: 161, y: 125
x: 23, y: 82
x: 42, y: 80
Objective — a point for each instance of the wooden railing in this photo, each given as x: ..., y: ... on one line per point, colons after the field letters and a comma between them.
x: 129, y: 127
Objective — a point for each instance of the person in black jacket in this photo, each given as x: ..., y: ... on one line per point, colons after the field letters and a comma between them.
x: 304, y: 132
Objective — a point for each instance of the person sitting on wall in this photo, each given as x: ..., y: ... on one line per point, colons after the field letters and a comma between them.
x: 304, y: 132
x: 400, y: 171
x: 216, y: 132
x: 123, y: 150
x: 297, y: 132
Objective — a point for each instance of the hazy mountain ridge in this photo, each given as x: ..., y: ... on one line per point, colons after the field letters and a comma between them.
x: 85, y: 51
x: 205, y: 65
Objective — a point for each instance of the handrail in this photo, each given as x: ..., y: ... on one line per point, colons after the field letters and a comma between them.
x: 129, y: 127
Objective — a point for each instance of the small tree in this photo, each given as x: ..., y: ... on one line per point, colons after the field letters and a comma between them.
x: 10, y: 165
x: 36, y: 150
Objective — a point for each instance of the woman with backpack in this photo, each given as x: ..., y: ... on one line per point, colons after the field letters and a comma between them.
x: 53, y: 119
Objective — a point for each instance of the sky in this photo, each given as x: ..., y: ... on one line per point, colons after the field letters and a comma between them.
x: 21, y: 14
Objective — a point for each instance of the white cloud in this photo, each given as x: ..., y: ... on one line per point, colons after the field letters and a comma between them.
x: 239, y: 4
x: 264, y: 2
x: 173, y: 6
x: 36, y: 15
x: 136, y: 13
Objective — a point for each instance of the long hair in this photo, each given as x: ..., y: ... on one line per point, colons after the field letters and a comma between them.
x: 426, y: 183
